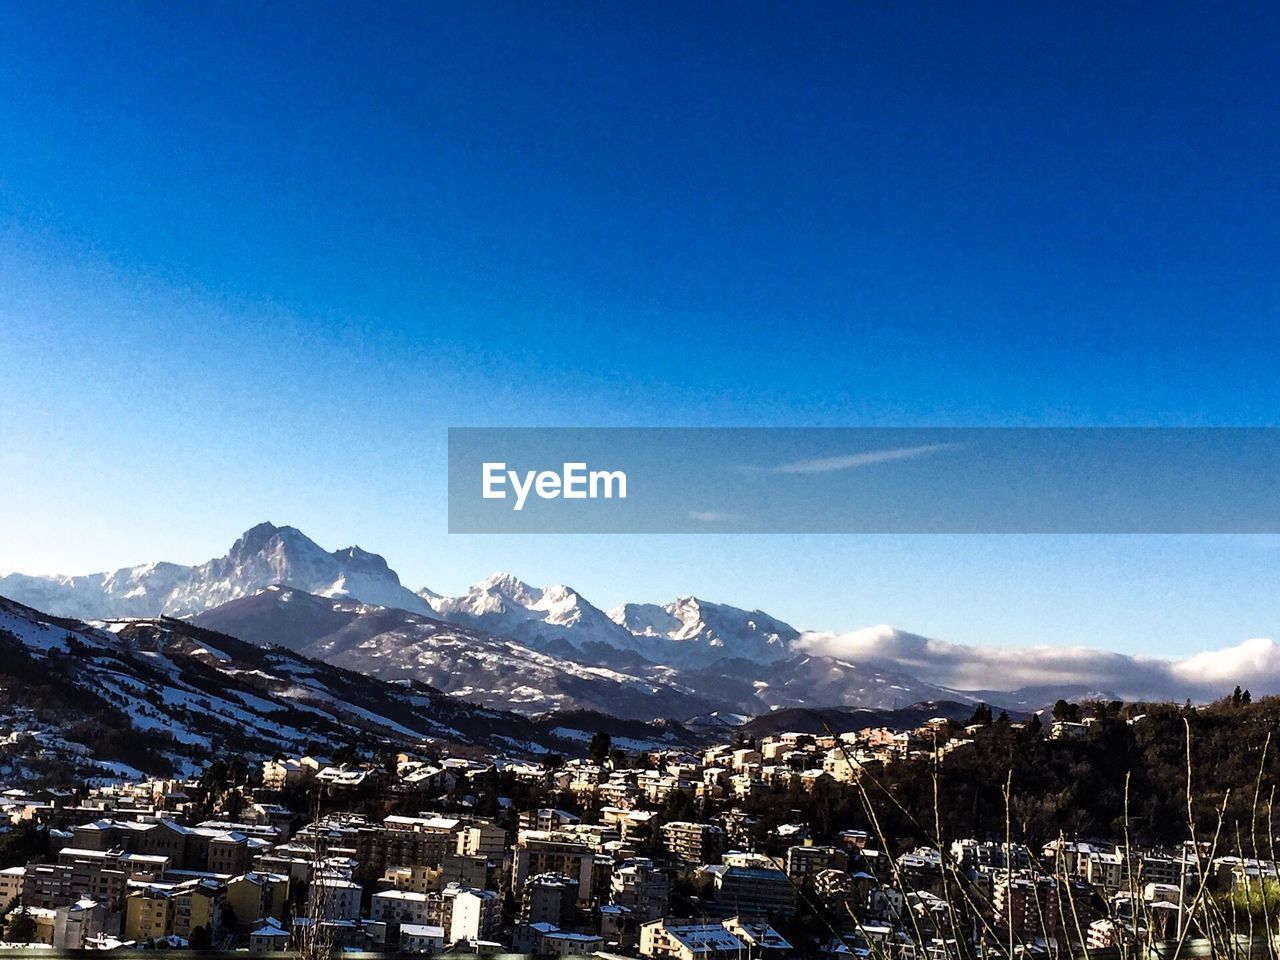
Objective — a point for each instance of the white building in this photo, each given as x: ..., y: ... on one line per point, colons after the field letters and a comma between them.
x: 338, y: 899
x: 78, y: 922
x: 421, y: 938
x: 477, y: 914
x: 399, y: 906
x: 269, y: 937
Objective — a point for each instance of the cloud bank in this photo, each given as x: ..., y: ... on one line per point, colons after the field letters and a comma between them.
x: 1254, y: 664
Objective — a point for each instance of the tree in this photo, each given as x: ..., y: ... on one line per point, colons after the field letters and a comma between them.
x: 22, y: 928
x: 75, y: 646
x: 601, y: 744
x: 1068, y: 712
x: 200, y: 938
x: 981, y: 716
x: 347, y: 753
x: 1034, y: 726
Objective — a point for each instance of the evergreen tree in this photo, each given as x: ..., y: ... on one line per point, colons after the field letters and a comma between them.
x: 601, y: 744
x: 1067, y: 712
x: 981, y: 716
x: 22, y: 928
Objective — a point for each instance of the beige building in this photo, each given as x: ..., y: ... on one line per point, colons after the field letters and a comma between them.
x: 669, y: 939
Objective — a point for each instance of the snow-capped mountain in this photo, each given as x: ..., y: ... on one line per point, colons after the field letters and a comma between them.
x: 264, y: 555
x: 556, y: 619
x: 496, y: 671
x: 128, y: 592
x: 688, y: 631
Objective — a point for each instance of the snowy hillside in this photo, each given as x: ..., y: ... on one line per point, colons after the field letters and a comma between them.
x: 156, y: 696
x: 496, y: 671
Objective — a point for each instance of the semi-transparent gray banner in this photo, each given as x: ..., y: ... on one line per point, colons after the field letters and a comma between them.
x: 872, y: 480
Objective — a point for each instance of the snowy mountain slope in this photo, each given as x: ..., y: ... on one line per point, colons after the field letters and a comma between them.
x: 808, y: 681
x: 264, y: 555
x: 688, y: 631
x: 393, y: 644
x: 685, y: 632
x: 553, y: 618
x: 155, y: 696
x: 127, y: 592
x: 501, y: 673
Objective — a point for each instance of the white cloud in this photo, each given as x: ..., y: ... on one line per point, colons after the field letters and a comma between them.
x: 854, y: 460
x: 1254, y: 664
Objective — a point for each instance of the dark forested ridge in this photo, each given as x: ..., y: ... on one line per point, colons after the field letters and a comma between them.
x: 1068, y: 785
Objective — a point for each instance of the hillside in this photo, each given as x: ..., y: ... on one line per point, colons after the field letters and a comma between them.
x: 156, y: 696
x: 495, y: 671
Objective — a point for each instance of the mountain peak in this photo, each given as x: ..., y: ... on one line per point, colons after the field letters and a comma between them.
x: 560, y: 593
x: 254, y: 539
x: 356, y: 559
x: 509, y: 587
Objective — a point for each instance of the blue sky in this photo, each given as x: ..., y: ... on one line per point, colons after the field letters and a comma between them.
x: 255, y: 260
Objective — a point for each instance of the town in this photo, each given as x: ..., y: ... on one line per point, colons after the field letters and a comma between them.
x: 725, y: 852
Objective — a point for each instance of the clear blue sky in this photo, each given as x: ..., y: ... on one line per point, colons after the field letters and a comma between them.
x: 255, y: 259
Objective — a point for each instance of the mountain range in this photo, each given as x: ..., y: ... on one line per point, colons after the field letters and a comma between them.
x: 503, y: 644
x: 507, y: 645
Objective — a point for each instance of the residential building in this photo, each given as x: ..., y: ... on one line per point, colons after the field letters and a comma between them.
x: 668, y: 939
x: 421, y: 938
x: 476, y: 914
x: 691, y: 842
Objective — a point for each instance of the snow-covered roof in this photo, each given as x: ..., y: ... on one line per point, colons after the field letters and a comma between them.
x: 420, y: 930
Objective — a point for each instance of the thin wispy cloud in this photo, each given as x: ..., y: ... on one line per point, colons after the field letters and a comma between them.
x: 852, y: 461
x: 713, y: 516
